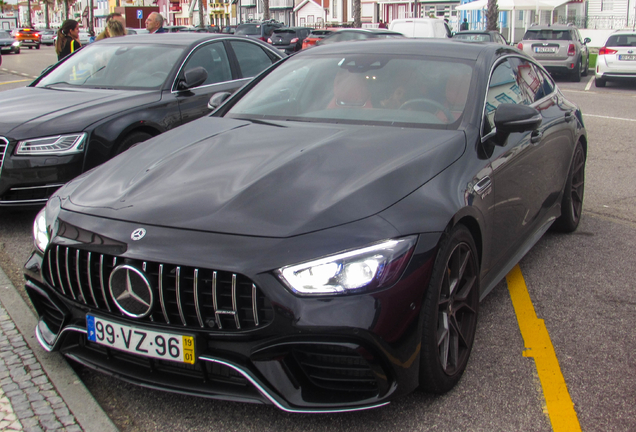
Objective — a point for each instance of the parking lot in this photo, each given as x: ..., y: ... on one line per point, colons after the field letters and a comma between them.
x: 580, y: 285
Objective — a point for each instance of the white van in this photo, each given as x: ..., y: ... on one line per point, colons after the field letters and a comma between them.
x: 421, y: 27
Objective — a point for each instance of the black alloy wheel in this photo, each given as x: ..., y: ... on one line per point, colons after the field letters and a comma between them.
x: 450, y: 312
x: 572, y: 202
x: 599, y: 82
x: 132, y: 140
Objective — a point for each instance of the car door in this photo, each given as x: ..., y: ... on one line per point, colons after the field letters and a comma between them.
x: 525, y: 165
x: 213, y: 57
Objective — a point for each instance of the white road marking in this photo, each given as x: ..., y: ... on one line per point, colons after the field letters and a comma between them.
x: 589, y: 83
x: 610, y: 118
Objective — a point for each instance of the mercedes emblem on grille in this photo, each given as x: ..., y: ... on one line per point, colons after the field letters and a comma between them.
x: 138, y: 234
x: 131, y: 291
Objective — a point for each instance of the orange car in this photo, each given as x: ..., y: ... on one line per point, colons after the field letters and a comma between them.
x: 29, y: 37
x: 315, y: 36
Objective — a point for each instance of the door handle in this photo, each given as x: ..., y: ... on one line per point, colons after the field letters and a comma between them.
x: 569, y: 116
x: 536, y: 137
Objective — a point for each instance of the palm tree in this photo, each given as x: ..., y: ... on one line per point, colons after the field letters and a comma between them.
x: 492, y: 15
x: 201, y: 23
x: 266, y: 14
x: 356, y: 14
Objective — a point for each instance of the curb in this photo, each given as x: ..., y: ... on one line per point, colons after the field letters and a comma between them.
x: 88, y: 414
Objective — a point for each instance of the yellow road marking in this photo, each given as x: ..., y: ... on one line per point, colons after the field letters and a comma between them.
x: 539, y: 346
x: 11, y: 82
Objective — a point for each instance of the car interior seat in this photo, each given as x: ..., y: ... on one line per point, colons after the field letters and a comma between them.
x: 350, y: 90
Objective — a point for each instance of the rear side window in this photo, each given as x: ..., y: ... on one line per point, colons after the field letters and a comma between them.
x: 622, y: 41
x: 252, y: 59
x: 248, y: 29
x: 547, y: 34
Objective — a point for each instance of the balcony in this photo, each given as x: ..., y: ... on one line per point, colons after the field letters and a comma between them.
x: 281, y: 4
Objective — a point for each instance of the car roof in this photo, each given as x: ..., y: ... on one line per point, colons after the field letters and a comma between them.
x: 551, y: 27
x: 367, y: 30
x: 477, y: 32
x: 291, y: 28
x: 177, y: 39
x: 623, y: 32
x: 409, y: 46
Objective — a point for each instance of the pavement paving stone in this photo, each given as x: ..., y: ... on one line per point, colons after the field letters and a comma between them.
x: 28, y: 401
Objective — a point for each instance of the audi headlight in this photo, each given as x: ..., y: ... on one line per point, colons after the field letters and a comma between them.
x: 40, y: 233
x: 373, y: 267
x: 60, y: 144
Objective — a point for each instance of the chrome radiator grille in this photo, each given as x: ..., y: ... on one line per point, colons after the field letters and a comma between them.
x: 3, y: 149
x: 186, y: 296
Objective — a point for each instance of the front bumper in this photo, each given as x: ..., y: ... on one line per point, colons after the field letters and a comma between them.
x: 325, y: 354
x: 31, y: 180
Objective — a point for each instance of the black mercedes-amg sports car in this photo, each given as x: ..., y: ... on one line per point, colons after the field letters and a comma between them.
x: 322, y: 240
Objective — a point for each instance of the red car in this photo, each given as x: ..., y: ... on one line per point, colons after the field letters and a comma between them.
x: 315, y: 36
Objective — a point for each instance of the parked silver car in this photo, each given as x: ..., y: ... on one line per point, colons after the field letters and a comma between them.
x: 559, y: 49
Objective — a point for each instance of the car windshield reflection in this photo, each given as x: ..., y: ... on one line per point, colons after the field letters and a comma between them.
x: 363, y: 89
x: 115, y: 66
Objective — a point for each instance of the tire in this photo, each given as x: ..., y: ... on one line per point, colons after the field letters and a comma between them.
x: 37, y: 46
x: 17, y: 51
x: 572, y: 201
x: 586, y: 68
x: 132, y: 140
x: 576, y: 74
x: 30, y: 47
x: 599, y: 82
x: 449, y: 312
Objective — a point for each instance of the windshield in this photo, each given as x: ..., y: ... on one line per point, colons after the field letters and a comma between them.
x: 475, y: 37
x: 124, y: 66
x: 248, y: 29
x: 625, y: 40
x: 361, y: 89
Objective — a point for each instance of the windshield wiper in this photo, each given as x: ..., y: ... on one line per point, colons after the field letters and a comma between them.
x: 91, y: 75
x: 57, y: 83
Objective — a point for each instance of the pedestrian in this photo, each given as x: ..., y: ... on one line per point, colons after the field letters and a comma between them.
x: 382, y: 25
x: 67, y: 39
x: 114, y: 29
x: 464, y: 25
x: 113, y: 16
x: 154, y: 23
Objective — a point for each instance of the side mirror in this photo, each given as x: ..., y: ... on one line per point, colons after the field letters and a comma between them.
x: 193, y: 78
x: 587, y: 40
x: 511, y: 118
x: 217, y: 99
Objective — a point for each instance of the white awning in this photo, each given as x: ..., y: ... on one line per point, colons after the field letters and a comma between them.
x: 506, y: 5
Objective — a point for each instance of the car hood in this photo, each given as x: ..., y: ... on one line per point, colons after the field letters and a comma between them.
x: 238, y: 177
x: 28, y: 112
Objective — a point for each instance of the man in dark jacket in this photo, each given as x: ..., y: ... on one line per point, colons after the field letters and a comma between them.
x: 154, y: 23
x: 464, y: 25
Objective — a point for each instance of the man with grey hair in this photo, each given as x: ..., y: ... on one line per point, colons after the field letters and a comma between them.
x: 154, y: 23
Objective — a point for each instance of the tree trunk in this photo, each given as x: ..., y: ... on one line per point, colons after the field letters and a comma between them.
x: 492, y: 16
x: 29, y: 13
x: 201, y: 22
x: 65, y: 9
x: 357, y: 23
x: 266, y: 15
x: 46, y: 13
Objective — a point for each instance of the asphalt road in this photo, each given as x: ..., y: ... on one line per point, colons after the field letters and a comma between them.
x: 580, y: 285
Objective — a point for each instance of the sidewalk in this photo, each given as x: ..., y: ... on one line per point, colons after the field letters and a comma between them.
x: 38, y: 390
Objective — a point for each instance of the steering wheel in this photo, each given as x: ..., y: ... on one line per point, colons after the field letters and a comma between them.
x: 425, y: 104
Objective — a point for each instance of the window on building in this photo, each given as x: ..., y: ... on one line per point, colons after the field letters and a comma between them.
x: 334, y: 9
x: 607, y: 5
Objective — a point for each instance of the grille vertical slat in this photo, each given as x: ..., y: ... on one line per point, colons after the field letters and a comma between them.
x: 101, y: 281
x: 57, y: 264
x: 161, y: 295
x: 178, y: 288
x: 3, y: 148
x: 78, y: 276
x: 254, y: 305
x: 197, y: 298
x: 90, y: 278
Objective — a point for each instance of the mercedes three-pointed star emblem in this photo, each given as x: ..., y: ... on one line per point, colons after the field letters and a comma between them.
x: 131, y: 291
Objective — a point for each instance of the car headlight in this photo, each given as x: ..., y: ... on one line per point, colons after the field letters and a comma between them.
x: 60, y: 144
x: 16, y: 43
x: 40, y: 233
x: 372, y: 267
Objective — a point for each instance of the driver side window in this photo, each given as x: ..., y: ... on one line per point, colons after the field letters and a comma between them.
x: 503, y: 88
x: 213, y: 58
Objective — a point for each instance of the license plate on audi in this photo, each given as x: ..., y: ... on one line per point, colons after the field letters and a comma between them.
x: 147, y: 343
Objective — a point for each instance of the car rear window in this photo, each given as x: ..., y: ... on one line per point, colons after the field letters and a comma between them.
x: 473, y: 37
x: 622, y: 41
x: 547, y: 34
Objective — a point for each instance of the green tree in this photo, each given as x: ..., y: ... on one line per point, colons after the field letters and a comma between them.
x: 492, y: 15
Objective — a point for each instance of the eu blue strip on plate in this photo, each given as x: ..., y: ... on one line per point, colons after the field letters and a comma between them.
x: 90, y: 326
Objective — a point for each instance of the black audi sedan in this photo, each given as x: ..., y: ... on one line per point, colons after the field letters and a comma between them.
x: 110, y: 96
x: 322, y: 240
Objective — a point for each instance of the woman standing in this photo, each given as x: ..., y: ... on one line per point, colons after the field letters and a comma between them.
x: 67, y: 39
